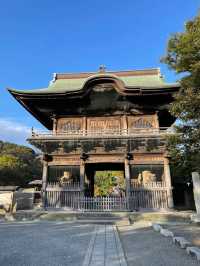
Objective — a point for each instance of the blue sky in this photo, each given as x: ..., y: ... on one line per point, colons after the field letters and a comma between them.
x: 40, y: 37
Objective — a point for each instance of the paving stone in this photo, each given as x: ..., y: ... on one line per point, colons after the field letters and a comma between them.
x: 194, y: 251
x: 105, y: 248
x: 166, y: 233
x: 181, y: 241
x: 157, y: 227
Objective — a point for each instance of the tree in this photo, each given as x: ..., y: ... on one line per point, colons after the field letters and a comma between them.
x: 183, y: 56
x: 18, y: 164
x: 105, y: 181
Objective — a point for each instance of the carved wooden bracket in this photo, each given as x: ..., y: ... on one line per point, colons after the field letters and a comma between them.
x: 47, y: 158
x: 129, y: 156
x: 84, y: 156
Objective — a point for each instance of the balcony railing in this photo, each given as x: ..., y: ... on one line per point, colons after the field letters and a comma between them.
x: 102, y: 133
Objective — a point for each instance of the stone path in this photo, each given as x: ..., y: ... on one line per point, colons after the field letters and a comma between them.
x: 105, y: 248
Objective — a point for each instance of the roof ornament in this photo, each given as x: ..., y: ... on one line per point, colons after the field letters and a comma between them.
x: 102, y: 69
x: 53, y: 79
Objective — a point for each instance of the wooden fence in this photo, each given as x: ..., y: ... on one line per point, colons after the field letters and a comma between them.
x: 138, y: 199
x: 62, y: 199
x: 148, y: 199
x: 103, y: 204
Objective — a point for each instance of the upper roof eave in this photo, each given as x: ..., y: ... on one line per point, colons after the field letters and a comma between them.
x: 46, y: 92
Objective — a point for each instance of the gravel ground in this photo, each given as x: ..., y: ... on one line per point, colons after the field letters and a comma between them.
x: 144, y: 247
x: 44, y: 243
x: 190, y: 231
x: 60, y: 243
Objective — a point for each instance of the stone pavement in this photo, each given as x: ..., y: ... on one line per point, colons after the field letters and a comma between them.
x: 105, y: 248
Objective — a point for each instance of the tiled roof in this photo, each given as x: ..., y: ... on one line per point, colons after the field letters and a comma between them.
x: 69, y: 82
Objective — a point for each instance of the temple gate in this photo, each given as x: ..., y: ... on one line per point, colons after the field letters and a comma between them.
x: 104, y: 121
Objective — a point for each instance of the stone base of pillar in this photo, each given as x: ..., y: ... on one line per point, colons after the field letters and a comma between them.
x: 170, y: 199
x: 195, y: 218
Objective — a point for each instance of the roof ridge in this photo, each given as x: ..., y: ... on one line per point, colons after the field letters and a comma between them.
x: 127, y: 70
x: 149, y: 71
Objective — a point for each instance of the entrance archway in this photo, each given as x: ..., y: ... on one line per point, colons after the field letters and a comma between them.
x: 96, y: 183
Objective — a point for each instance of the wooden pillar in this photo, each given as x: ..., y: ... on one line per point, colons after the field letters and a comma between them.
x: 156, y: 121
x: 44, y: 182
x: 124, y: 125
x: 168, y: 183
x: 83, y: 158
x: 54, y: 124
x: 127, y: 177
x: 84, y: 125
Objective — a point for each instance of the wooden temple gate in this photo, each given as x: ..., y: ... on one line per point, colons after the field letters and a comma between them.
x: 144, y: 188
x: 104, y: 117
x: 137, y: 196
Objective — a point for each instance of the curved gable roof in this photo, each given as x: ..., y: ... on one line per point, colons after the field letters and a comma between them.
x: 129, y: 80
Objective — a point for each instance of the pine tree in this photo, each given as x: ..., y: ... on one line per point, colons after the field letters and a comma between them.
x: 183, y: 56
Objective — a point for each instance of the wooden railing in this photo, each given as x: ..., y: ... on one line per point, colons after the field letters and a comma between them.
x: 68, y: 186
x: 139, y: 199
x: 135, y: 184
x: 148, y: 199
x: 62, y: 199
x: 151, y: 195
x: 102, y: 133
x: 103, y: 204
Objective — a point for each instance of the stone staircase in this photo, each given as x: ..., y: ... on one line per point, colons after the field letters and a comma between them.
x: 116, y: 218
x: 113, y: 218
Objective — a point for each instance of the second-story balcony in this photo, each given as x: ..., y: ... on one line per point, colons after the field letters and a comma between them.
x: 106, y: 133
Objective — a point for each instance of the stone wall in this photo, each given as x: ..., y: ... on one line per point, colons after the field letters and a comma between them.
x: 23, y: 200
x: 6, y: 200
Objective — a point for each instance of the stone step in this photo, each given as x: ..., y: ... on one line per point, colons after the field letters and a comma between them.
x: 118, y: 222
x: 161, y: 217
x: 103, y: 214
x: 102, y: 217
x: 56, y: 215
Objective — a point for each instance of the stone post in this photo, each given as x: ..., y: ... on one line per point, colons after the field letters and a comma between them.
x: 127, y: 177
x: 168, y: 183
x: 44, y: 182
x: 196, y: 190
